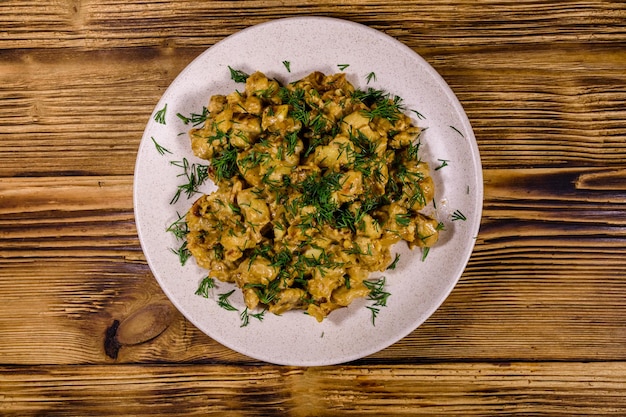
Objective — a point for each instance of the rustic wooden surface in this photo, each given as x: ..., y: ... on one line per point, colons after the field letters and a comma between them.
x: 536, y: 325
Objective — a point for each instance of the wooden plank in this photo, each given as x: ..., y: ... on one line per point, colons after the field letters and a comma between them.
x: 560, y: 389
x: 544, y: 282
x: 57, y: 311
x: 68, y: 217
x: 61, y: 309
x: 530, y: 206
x: 530, y: 105
x: 73, y: 114
x: 96, y: 24
x: 524, y: 113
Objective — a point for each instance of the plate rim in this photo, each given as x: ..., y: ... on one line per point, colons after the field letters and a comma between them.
x: 478, y: 192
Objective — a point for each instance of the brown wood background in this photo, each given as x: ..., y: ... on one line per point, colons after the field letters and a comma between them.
x: 536, y: 325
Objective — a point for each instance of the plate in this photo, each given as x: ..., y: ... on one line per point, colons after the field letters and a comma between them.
x: 289, y: 49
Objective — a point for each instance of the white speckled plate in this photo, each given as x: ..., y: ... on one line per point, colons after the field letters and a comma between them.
x: 417, y: 287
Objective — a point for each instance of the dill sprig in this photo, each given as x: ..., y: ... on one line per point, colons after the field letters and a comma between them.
x: 389, y: 108
x: 237, y: 76
x: 407, y: 184
x: 245, y: 316
x: 457, y: 215
x: 206, y: 284
x: 224, y: 302
x: 375, y: 312
x: 418, y: 114
x: 394, y: 264
x: 412, y: 150
x: 253, y: 159
x: 160, y: 149
x: 224, y: 164
x: 403, y: 219
x: 377, y: 291
x: 444, y: 163
x: 457, y: 131
x: 266, y: 293
x: 159, y: 116
x: 180, y: 230
x: 378, y: 295
x: 195, y: 175
x: 195, y: 118
x: 183, y: 253
x: 179, y: 227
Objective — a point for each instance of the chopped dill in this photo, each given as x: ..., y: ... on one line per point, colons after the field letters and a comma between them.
x: 194, y: 118
x: 237, y: 76
x: 224, y: 302
x: 403, y: 219
x: 206, y: 284
x: 179, y: 227
x: 457, y: 131
x: 418, y: 114
x: 160, y: 149
x: 245, y: 316
x: 457, y: 215
x: 444, y: 163
x: 183, y: 253
x: 389, y: 109
x: 224, y: 164
x: 195, y: 175
x: 375, y: 312
x: 377, y: 291
x: 394, y: 264
x: 159, y: 116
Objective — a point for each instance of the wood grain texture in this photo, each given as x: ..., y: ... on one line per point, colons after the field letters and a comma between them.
x: 532, y: 103
x: 535, y: 325
x: 448, y: 389
x: 551, y: 301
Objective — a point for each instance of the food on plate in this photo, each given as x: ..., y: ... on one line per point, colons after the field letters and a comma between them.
x: 316, y: 180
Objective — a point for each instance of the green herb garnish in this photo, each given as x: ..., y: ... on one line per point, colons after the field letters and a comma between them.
x: 179, y: 227
x: 444, y: 163
x: 457, y: 131
x: 182, y: 252
x: 222, y: 301
x: 159, y: 116
x: 195, y: 175
x: 394, y: 264
x: 245, y: 316
x: 375, y: 312
x: 457, y: 215
x: 377, y: 291
x: 224, y: 164
x: 418, y: 114
x: 194, y: 118
x: 160, y: 149
x: 237, y: 76
x: 206, y: 284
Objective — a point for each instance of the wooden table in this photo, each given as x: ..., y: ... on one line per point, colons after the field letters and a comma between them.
x: 536, y: 325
